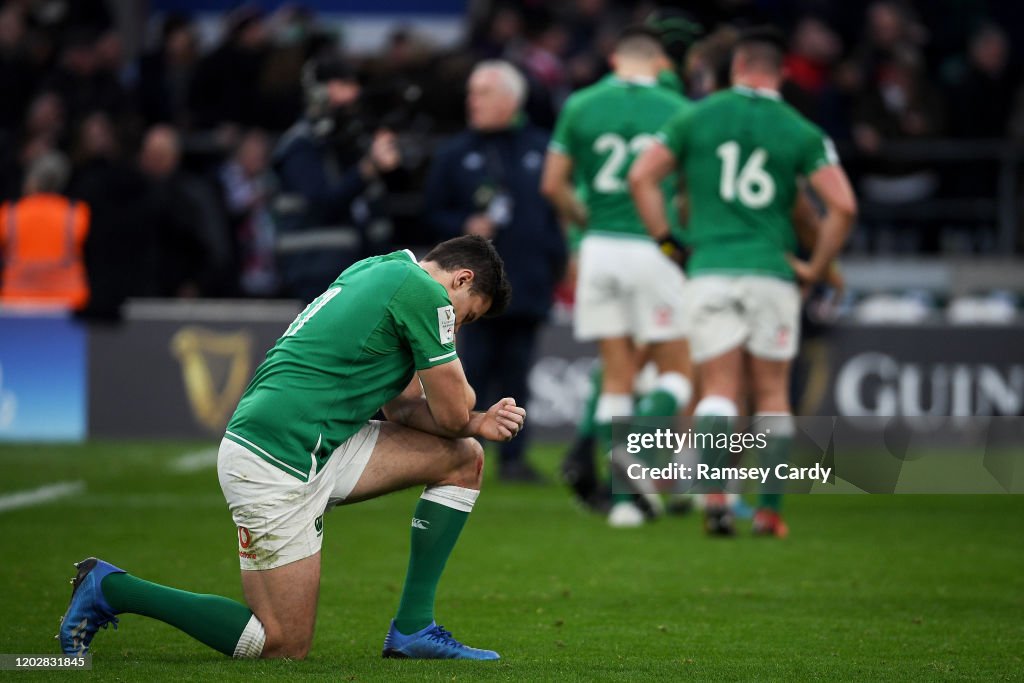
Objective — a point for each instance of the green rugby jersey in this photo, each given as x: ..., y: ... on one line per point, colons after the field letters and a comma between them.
x: 353, y: 349
x: 669, y: 79
x: 741, y: 152
x: 603, y: 128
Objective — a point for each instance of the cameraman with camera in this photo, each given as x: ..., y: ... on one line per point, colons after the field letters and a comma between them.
x: 327, y: 170
x: 485, y: 182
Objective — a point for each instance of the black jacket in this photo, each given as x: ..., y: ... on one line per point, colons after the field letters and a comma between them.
x: 472, y: 170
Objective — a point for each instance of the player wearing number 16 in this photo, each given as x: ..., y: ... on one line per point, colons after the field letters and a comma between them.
x: 742, y: 153
x: 628, y: 292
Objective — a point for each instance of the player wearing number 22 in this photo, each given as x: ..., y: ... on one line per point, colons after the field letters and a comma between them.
x: 628, y: 292
x: 742, y: 153
x: 302, y: 441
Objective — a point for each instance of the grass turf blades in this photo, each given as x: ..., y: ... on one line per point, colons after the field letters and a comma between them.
x: 866, y: 587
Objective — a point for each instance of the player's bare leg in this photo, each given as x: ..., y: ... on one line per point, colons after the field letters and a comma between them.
x: 770, y: 389
x: 404, y: 457
x: 721, y: 380
x: 619, y: 357
x: 672, y: 356
x: 452, y: 470
x: 284, y: 600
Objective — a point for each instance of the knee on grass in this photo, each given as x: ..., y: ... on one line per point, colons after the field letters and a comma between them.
x: 281, y: 645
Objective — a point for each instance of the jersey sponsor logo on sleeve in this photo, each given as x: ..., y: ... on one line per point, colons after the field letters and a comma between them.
x: 446, y: 324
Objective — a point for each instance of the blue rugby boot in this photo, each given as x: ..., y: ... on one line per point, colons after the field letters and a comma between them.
x: 88, y: 610
x: 433, y: 642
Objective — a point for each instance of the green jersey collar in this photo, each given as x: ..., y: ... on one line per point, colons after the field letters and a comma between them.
x: 757, y: 92
x: 645, y: 81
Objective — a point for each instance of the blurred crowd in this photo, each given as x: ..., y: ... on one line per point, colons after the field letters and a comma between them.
x: 173, y: 149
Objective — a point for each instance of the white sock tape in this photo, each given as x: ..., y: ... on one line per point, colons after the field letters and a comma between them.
x: 677, y: 385
x: 716, y: 406
x: 455, y: 497
x: 250, y: 644
x: 613, y: 405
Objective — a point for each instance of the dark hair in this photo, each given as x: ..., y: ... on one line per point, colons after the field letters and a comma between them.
x: 677, y: 30
x: 764, y: 45
x: 480, y: 256
x: 716, y: 50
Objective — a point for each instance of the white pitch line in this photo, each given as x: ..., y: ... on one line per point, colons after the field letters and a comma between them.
x: 195, y: 461
x: 40, y: 496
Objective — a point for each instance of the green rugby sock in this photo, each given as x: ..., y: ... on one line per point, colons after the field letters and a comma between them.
x: 715, y: 415
x: 212, y: 620
x: 604, y: 441
x: 588, y: 424
x: 437, y: 522
x: 658, y: 403
x: 610, y: 406
x: 778, y: 444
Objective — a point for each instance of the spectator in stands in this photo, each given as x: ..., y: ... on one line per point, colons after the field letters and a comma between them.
x: 981, y: 97
x: 485, y: 182
x: 82, y: 85
x: 815, y: 50
x: 165, y: 74
x: 193, y: 241
x: 122, y: 252
x: 325, y: 182
x: 42, y: 239
x: 890, y: 29
x: 902, y: 106
x: 226, y: 86
x: 292, y: 40
x: 244, y: 182
x: 17, y: 73
x: 542, y: 62
x: 499, y: 33
x: 43, y: 131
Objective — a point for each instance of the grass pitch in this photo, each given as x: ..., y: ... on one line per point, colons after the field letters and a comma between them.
x: 866, y: 587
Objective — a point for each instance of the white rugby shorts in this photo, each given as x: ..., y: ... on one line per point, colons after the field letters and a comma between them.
x: 280, y: 519
x: 627, y: 287
x: 756, y: 312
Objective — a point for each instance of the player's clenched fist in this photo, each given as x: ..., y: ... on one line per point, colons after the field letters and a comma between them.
x: 502, y: 421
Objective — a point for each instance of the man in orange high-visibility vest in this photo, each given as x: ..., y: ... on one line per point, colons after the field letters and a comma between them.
x: 42, y: 236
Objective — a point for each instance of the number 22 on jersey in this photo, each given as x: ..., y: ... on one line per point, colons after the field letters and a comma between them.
x: 610, y: 178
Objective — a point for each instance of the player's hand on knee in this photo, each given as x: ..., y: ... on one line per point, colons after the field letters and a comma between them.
x: 502, y: 421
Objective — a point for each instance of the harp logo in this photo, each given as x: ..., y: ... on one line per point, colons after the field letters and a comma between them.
x: 215, y: 368
x: 446, y: 324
